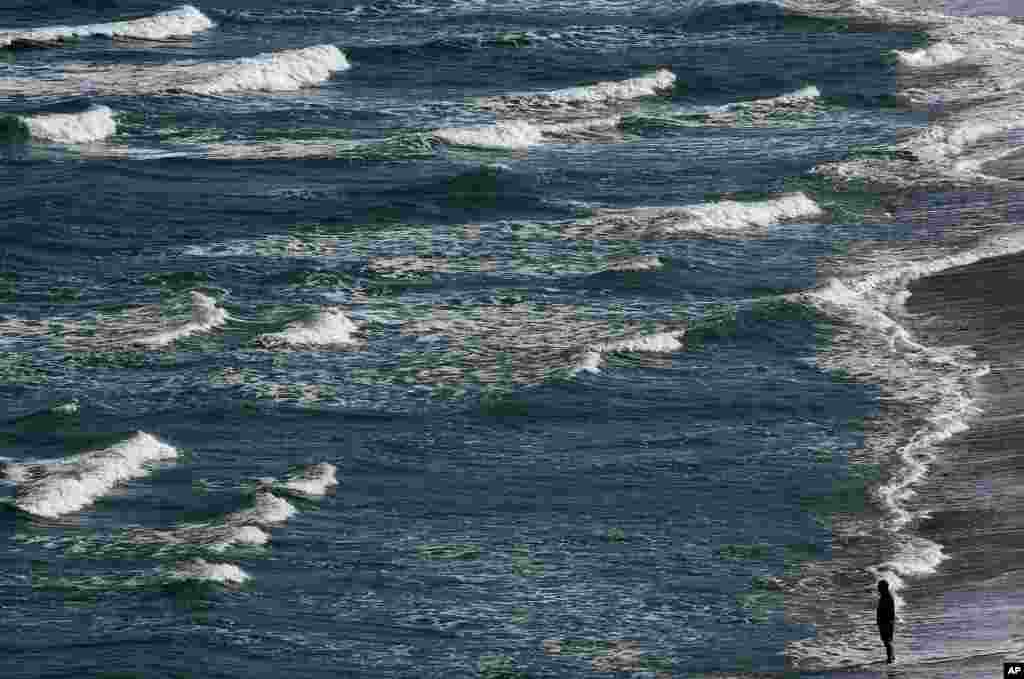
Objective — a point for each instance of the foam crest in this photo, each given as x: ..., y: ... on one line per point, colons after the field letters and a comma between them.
x: 521, y: 134
x: 511, y: 134
x: 245, y: 527
x: 274, y: 72
x: 328, y: 328
x: 204, y: 571
x: 286, y: 70
x: 267, y: 509
x: 52, y: 489
x: 662, y: 342
x: 643, y: 263
x: 180, y: 22
x: 526, y: 344
x: 916, y: 557
x: 798, y: 97
x: 206, y: 315
x: 73, y: 128
x: 976, y: 110
x: 600, y: 94
x: 939, y: 54
x: 718, y: 217
x: 312, y: 480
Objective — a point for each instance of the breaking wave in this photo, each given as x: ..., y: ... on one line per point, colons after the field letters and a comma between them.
x: 518, y: 134
x: 328, y: 328
x: 313, y: 480
x: 202, y: 570
x: 180, y: 22
x: 55, y: 488
x: 95, y: 124
x: 601, y: 94
x: 206, y: 315
x: 663, y: 342
x: 939, y: 54
x: 246, y: 527
x: 526, y: 344
x: 666, y: 222
x: 286, y: 70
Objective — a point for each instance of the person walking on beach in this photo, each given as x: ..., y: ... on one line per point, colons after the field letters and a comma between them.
x: 886, y: 618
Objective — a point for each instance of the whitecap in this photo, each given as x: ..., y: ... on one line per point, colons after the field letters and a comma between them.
x: 329, y: 327
x: 180, y: 22
x: 281, y: 71
x: 939, y: 54
x: 312, y: 480
x: 600, y: 94
x: 206, y: 315
x: 54, y: 488
x: 95, y: 124
x: 716, y: 217
x: 202, y: 570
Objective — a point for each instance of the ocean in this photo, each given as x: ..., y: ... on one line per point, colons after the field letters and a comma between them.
x: 509, y: 339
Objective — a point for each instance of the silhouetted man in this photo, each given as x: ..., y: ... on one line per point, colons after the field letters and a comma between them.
x: 886, y: 618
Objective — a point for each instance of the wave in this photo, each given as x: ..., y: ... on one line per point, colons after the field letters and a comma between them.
x: 526, y: 344
x: 54, y: 488
x: 663, y: 342
x: 128, y: 329
x: 519, y: 134
x: 641, y: 263
x: 95, y: 124
x: 978, y: 114
x: 204, y: 571
x: 245, y: 527
x: 180, y: 22
x: 281, y: 71
x: 935, y: 384
x: 716, y: 218
x: 939, y: 54
x: 399, y: 147
x: 313, y: 480
x: 328, y: 328
x: 601, y: 94
x: 274, y: 72
x: 798, y: 97
x: 206, y: 315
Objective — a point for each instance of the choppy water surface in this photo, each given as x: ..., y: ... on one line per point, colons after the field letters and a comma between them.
x: 444, y: 339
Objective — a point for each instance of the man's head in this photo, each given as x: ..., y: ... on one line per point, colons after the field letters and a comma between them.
x: 883, y: 587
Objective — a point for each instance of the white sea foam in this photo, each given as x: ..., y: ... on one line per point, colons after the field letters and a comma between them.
x: 329, y: 327
x: 267, y: 508
x: 798, y: 97
x: 312, y: 480
x: 938, y: 382
x: 643, y: 263
x: 939, y: 54
x: 272, y: 72
x: 206, y: 315
x: 977, y: 111
x: 717, y: 217
x: 917, y: 556
x: 199, y: 569
x: 662, y: 342
x: 73, y: 128
x: 600, y: 94
x: 55, y: 488
x: 659, y: 342
x: 511, y: 134
x: 180, y: 22
x: 520, y: 134
x: 243, y: 527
